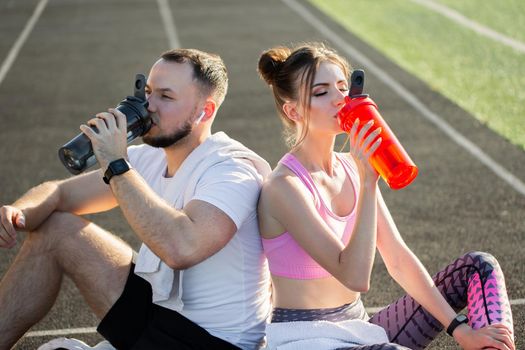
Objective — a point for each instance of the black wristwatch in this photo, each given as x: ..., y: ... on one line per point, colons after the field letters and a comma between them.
x: 459, y: 319
x: 116, y: 167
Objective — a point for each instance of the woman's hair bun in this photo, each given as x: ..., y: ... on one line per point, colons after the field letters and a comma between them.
x: 271, y: 62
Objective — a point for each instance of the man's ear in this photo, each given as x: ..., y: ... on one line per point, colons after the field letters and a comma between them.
x: 209, y: 109
x: 290, y: 109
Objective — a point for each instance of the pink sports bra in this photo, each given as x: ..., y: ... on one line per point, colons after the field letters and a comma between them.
x: 285, y: 257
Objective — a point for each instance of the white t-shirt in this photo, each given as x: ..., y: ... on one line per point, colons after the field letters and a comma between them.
x: 228, y: 293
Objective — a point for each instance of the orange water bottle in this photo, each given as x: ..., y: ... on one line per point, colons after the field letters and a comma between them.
x: 390, y: 160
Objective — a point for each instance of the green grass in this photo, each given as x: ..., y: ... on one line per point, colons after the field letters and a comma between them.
x: 484, y: 77
x: 506, y: 17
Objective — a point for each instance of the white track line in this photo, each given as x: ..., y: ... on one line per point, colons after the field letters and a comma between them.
x: 409, y: 97
x: 169, y: 25
x: 60, y: 332
x: 475, y: 26
x: 91, y: 330
x: 13, y: 53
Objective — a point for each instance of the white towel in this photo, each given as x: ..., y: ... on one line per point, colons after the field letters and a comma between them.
x: 322, y: 335
x: 166, y: 283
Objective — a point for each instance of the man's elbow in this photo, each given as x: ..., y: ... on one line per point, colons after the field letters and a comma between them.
x: 178, y: 262
x: 180, y: 259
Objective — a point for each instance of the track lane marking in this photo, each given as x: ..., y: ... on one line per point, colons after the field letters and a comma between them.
x: 169, y: 24
x: 471, y: 24
x: 17, y: 46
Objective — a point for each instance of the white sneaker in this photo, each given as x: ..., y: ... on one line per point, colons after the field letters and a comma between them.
x: 74, y: 344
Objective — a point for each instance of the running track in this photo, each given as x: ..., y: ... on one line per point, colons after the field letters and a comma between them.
x: 75, y: 58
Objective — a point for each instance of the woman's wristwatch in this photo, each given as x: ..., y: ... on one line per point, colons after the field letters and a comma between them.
x: 459, y: 319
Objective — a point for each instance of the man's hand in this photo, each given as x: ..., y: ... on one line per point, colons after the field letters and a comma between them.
x: 109, y: 141
x: 11, y: 219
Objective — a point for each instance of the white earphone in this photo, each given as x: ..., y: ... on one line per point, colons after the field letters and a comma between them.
x: 198, y: 120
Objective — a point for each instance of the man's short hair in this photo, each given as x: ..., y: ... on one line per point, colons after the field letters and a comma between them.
x: 208, y: 70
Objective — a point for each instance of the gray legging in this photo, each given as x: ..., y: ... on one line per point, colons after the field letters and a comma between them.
x: 474, y: 281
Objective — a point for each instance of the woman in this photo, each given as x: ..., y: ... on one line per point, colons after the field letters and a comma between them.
x: 322, y: 217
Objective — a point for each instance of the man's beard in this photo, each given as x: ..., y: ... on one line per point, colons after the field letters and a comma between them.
x: 169, y: 140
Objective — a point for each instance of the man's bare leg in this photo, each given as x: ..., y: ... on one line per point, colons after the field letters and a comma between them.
x: 97, y: 262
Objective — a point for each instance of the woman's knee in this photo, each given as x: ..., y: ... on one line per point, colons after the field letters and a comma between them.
x: 481, y: 259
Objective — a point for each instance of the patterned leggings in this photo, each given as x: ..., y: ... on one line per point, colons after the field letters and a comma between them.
x: 474, y: 281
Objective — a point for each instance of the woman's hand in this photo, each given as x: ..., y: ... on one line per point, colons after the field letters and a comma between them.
x: 362, y: 148
x: 495, y: 336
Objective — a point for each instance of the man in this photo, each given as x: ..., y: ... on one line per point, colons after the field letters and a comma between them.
x: 200, y: 278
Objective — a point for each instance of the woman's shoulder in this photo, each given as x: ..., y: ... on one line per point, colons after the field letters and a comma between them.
x: 275, y: 194
x: 282, y: 188
x: 283, y: 184
x: 281, y: 179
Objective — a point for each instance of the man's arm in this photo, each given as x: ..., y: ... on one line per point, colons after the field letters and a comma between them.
x: 181, y: 238
x: 81, y: 194
x: 85, y: 194
x: 225, y: 197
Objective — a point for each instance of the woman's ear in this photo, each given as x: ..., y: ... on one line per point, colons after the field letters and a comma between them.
x: 290, y: 109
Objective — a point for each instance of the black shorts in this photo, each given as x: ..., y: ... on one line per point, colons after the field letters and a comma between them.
x: 134, y: 322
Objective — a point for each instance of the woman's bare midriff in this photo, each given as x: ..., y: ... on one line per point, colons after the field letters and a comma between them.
x: 310, y: 294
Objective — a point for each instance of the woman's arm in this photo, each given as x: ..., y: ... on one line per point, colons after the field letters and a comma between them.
x: 408, y: 271
x: 285, y: 205
x: 285, y: 201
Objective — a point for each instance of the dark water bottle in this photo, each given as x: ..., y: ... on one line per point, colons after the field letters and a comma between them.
x: 77, y: 155
x: 390, y: 160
